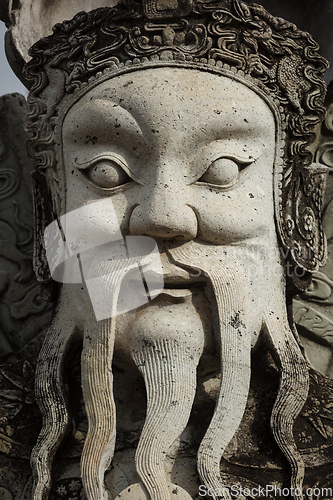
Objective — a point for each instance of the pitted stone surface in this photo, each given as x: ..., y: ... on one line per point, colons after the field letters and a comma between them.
x: 170, y: 211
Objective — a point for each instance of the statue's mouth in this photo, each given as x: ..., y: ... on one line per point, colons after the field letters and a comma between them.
x: 184, y: 284
x: 175, y: 276
x: 183, y: 289
x: 167, y: 280
x: 175, y: 285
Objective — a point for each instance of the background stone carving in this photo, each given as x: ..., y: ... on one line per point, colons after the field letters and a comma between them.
x: 313, y: 310
x: 24, y: 316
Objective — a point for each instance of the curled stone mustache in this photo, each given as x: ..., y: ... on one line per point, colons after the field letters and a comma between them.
x: 160, y: 362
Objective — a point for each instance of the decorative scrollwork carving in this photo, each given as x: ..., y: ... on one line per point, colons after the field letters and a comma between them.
x: 9, y: 182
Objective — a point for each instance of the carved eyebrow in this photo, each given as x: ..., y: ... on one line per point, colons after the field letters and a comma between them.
x: 105, y: 156
x: 107, y: 114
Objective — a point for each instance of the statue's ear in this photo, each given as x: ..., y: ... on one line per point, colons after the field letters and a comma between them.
x: 302, y: 229
x: 329, y: 117
x: 324, y: 153
x: 43, y: 216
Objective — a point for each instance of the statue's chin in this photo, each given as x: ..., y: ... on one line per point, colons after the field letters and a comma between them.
x: 180, y: 314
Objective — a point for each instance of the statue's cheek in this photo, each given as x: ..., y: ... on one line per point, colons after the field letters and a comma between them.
x: 233, y: 216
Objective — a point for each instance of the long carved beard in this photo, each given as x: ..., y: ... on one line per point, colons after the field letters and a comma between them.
x: 169, y: 367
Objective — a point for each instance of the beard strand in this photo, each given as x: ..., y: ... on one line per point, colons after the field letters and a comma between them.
x: 168, y: 367
x: 229, y: 285
x: 51, y: 398
x: 97, y: 384
x: 292, y: 393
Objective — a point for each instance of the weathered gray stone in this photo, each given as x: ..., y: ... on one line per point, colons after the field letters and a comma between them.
x: 29, y: 20
x: 314, y: 16
x: 169, y: 143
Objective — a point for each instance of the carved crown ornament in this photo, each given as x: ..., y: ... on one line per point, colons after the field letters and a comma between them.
x: 229, y: 37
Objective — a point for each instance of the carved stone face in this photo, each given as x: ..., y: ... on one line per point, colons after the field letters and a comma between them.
x: 175, y: 162
x: 184, y: 157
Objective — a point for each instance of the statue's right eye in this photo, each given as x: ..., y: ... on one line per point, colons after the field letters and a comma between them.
x: 107, y: 173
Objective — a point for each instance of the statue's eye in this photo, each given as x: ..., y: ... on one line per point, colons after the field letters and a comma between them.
x: 221, y: 172
x: 107, y: 173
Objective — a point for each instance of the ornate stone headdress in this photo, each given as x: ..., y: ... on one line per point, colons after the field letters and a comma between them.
x: 229, y: 37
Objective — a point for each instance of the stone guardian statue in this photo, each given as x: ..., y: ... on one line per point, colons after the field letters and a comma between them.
x: 177, y: 211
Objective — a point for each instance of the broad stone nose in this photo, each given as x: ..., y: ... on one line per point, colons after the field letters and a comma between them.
x: 164, y: 213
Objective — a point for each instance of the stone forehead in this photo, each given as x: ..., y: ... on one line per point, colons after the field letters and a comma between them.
x: 178, y: 84
x: 199, y: 79
x: 166, y: 102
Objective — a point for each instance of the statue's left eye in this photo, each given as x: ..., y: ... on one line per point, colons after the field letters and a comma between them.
x: 221, y: 172
x: 107, y: 174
